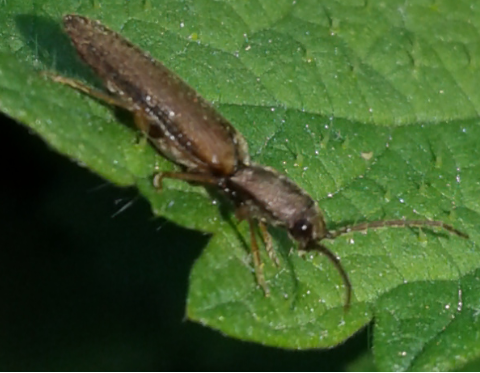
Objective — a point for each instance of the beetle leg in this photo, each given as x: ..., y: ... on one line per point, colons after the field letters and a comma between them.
x: 241, y: 213
x: 95, y: 93
x: 257, y: 261
x: 142, y: 122
x: 267, y: 239
x: 185, y: 176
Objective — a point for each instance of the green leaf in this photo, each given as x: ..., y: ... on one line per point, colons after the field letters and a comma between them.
x: 437, y: 332
x: 363, y: 363
x: 371, y: 107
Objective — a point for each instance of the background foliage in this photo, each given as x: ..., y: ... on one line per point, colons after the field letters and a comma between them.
x: 371, y: 107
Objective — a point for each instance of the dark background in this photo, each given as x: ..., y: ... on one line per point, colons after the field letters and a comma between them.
x: 86, y: 286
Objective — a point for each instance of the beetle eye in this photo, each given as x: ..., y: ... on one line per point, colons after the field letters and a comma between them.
x: 302, y: 229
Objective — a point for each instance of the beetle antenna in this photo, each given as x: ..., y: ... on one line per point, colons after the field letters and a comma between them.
x: 333, y: 258
x: 395, y: 224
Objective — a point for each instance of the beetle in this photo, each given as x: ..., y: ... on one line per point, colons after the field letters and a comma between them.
x: 185, y: 128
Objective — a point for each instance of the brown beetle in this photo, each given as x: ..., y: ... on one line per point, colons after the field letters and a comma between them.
x: 188, y: 130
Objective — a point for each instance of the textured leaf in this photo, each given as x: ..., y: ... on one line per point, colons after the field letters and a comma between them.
x: 371, y: 107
